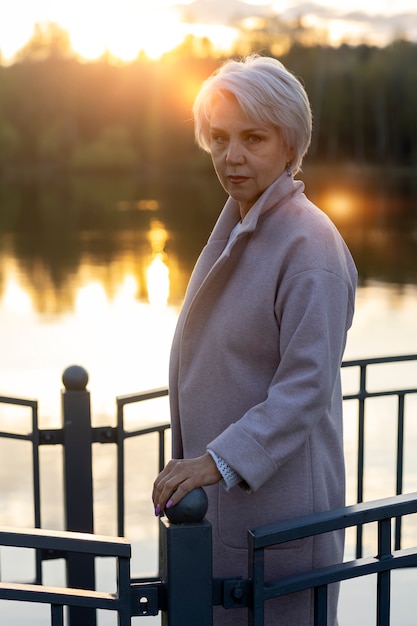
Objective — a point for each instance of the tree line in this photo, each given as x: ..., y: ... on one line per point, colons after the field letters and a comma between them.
x: 60, y: 116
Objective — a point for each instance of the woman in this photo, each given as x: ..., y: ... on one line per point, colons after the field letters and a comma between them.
x: 255, y: 390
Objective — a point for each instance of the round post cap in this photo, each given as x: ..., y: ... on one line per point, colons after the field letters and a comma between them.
x: 75, y: 378
x: 190, y: 510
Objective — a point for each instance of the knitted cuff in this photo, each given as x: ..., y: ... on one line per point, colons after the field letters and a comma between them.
x: 230, y: 477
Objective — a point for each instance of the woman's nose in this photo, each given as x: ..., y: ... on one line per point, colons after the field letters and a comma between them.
x: 235, y: 153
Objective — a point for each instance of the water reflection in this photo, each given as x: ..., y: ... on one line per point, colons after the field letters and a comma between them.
x: 157, y: 273
x: 341, y: 206
x: 56, y: 240
x: 94, y: 271
x: 15, y: 298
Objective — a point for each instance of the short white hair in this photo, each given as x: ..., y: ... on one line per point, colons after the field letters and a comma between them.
x: 267, y: 92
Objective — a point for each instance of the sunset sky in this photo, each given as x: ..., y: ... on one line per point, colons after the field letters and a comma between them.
x: 125, y: 26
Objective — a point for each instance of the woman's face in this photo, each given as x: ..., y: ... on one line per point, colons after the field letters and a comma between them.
x: 247, y: 155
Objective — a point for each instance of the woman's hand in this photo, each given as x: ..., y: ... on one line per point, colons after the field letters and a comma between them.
x: 179, y: 477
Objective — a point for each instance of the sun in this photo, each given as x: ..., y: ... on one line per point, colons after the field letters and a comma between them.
x: 127, y: 33
x: 123, y: 29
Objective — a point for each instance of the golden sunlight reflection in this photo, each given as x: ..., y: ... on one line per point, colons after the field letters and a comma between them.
x: 339, y: 205
x: 128, y: 289
x: 15, y: 298
x: 157, y: 281
x: 157, y: 273
x: 89, y: 298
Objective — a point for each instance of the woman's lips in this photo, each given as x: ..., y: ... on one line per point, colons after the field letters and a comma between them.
x: 237, y: 179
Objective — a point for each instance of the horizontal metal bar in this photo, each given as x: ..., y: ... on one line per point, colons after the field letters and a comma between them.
x: 379, y: 360
x: 158, y: 428
x: 327, y: 521
x: 47, y: 436
x: 339, y: 572
x: 141, y: 397
x: 18, y: 436
x: 86, y: 543
x: 145, y: 580
x: 50, y: 555
x: 376, y: 394
x: 59, y: 595
x: 19, y: 401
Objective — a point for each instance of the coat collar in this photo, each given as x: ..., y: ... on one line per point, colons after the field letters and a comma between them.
x: 213, y: 255
x: 273, y: 197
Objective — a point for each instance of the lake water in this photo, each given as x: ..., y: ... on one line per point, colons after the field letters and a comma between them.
x: 95, y: 274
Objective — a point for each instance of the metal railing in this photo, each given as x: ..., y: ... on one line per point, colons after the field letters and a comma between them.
x: 386, y: 560
x: 169, y: 592
x: 361, y: 396
x: 122, y: 435
x: 186, y: 592
x: 82, y: 603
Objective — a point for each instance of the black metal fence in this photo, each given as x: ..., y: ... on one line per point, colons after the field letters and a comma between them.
x: 184, y: 592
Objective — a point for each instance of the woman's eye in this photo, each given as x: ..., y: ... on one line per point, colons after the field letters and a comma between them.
x: 254, y: 138
x: 219, y: 138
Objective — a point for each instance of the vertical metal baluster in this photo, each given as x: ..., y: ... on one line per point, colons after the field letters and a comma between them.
x: 361, y: 452
x: 320, y: 606
x: 400, y: 464
x: 57, y: 615
x: 384, y: 578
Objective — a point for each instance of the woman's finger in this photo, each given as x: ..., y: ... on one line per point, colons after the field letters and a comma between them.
x: 179, y: 477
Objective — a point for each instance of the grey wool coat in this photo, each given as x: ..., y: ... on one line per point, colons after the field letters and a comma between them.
x: 255, y: 377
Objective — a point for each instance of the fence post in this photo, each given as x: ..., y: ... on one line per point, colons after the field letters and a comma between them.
x: 78, y: 483
x: 185, y: 562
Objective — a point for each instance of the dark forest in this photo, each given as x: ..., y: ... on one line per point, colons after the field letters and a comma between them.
x: 60, y: 116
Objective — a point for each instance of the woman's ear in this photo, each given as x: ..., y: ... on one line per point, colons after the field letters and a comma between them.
x: 290, y: 155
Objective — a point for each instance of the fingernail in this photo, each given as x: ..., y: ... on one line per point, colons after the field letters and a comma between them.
x: 157, y: 510
x: 169, y: 504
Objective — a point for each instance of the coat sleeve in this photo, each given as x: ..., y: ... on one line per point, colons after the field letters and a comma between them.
x: 314, y: 310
